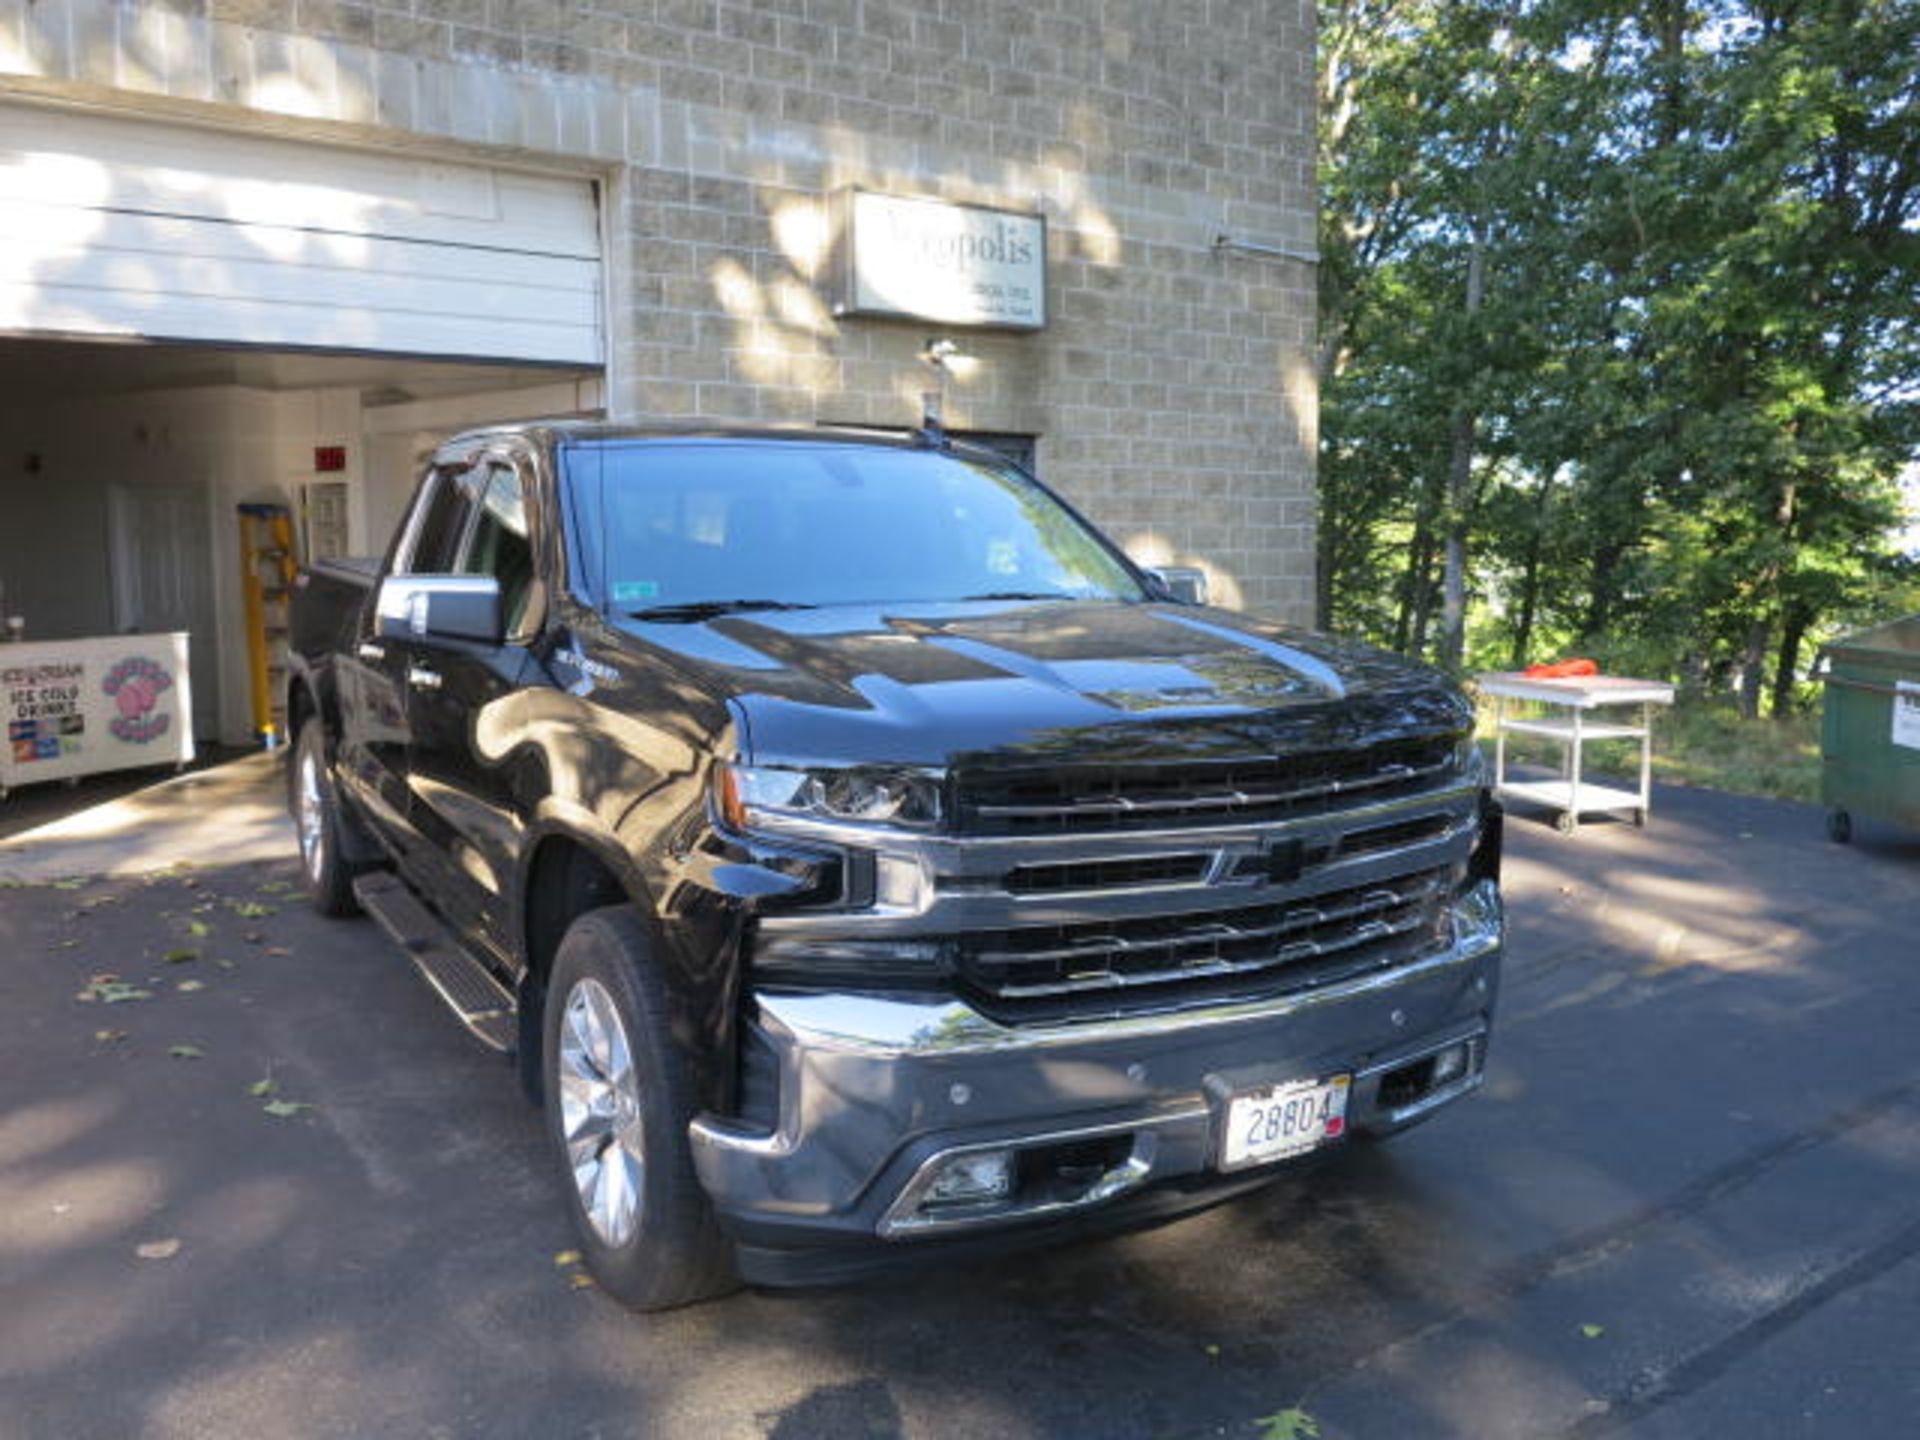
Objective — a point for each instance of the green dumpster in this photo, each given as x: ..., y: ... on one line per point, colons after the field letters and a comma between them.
x: 1870, y: 730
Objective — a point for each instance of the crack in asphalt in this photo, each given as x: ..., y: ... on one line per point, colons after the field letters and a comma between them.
x: 1659, y: 1386
x: 1578, y: 1252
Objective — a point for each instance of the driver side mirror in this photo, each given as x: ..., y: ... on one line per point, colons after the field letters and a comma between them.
x: 1183, y: 584
x: 441, y: 607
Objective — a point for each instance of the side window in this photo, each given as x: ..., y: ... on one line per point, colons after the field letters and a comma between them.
x: 498, y: 544
x: 436, y: 543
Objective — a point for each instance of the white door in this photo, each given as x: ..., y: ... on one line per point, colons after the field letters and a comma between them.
x: 163, y: 577
x: 172, y: 232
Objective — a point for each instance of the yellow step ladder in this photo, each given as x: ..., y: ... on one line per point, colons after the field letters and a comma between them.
x: 268, y: 563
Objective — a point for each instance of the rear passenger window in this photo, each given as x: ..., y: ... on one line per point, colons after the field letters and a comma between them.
x: 499, y: 546
x: 437, y: 542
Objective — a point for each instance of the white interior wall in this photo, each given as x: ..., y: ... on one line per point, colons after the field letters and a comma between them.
x: 400, y: 437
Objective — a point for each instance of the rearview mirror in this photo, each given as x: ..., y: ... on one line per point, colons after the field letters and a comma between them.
x: 1184, y: 584
x: 443, y: 607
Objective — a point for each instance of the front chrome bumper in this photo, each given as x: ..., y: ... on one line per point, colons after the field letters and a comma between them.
x: 874, y: 1090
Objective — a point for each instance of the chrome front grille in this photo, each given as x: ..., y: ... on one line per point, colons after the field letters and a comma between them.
x: 1296, y: 942
x: 1077, y: 799
x: 1084, y: 919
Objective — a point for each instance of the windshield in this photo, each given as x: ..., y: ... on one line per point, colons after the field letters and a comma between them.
x: 700, y: 523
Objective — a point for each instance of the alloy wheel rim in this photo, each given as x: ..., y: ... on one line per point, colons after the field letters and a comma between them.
x: 600, y: 1113
x: 312, y: 817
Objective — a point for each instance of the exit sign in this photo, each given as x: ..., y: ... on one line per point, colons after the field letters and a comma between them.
x: 327, y: 459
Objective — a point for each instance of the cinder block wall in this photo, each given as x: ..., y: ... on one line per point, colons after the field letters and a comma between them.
x: 1172, y: 389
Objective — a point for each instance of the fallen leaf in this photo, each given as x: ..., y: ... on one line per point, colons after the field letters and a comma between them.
x: 224, y: 963
x: 1293, y: 1423
x: 181, y: 956
x: 250, y: 909
x: 276, y: 887
x: 191, y: 985
x: 278, y: 950
x: 263, y: 1086
x: 253, y: 937
x: 1213, y: 1351
x: 109, y: 1037
x: 580, y: 1280
x: 64, y: 944
x: 191, y: 883
x: 199, y: 929
x: 567, y: 1257
x: 281, y: 1109
x: 111, y: 990
x: 69, y: 884
x: 186, y: 1052
x: 158, y: 1249
x: 1593, y: 1332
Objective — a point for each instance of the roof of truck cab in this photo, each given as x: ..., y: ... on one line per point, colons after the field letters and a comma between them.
x: 563, y: 431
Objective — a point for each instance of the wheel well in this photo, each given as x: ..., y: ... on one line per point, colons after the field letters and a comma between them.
x: 564, y: 881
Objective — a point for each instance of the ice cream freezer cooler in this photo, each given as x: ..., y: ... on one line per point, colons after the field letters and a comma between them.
x: 80, y: 707
x: 1575, y: 711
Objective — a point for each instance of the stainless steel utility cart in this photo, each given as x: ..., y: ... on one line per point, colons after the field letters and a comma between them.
x: 1529, y: 706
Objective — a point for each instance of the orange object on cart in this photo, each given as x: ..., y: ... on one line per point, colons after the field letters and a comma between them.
x: 1561, y: 670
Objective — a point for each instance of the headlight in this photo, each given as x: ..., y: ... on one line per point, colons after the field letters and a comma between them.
x: 747, y: 794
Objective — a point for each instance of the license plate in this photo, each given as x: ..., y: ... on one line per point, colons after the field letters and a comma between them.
x: 1283, y: 1120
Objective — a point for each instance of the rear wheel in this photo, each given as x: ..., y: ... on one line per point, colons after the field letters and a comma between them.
x: 618, y: 1102
x: 316, y: 818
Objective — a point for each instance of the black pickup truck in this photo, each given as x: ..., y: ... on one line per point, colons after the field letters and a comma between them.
x: 862, y: 859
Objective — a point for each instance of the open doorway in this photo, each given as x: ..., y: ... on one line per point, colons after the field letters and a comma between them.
x: 122, y: 464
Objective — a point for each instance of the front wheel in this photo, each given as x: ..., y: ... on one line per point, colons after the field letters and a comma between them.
x: 618, y: 1103
x: 316, y: 818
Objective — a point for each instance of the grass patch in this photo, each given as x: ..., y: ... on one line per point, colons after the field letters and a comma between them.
x: 1704, y: 744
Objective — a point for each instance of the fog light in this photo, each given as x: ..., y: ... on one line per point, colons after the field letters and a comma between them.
x: 968, y: 1179
x: 1449, y: 1065
x: 899, y: 884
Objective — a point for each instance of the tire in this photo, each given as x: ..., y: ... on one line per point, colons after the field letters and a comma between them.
x: 316, y: 819
x: 1564, y: 822
x: 646, y: 1229
x: 1839, y: 827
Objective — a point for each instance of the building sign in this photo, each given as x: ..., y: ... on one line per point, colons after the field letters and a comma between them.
x: 952, y: 264
x: 76, y: 707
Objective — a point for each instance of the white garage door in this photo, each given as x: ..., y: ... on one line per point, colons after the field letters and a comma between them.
x: 111, y: 226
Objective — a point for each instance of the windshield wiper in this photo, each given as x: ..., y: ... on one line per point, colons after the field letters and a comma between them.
x: 1025, y: 595
x: 695, y: 610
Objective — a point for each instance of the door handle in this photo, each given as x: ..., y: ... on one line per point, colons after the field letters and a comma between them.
x: 422, y: 678
x: 370, y: 652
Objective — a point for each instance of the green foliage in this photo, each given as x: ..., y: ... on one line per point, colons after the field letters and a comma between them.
x: 1293, y: 1423
x: 1658, y: 267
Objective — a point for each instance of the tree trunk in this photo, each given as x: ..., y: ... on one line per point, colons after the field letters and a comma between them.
x: 1410, y: 625
x: 1753, y: 666
x: 1325, y: 555
x: 1793, y: 633
x: 1603, y: 578
x: 1466, y: 420
x: 1530, y: 582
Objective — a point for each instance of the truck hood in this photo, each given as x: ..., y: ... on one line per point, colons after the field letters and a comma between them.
x: 956, y: 684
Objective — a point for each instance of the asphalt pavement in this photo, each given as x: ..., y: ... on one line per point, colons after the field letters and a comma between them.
x: 255, y: 1182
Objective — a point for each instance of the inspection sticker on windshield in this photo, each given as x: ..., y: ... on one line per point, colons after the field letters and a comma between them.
x: 1283, y: 1120
x: 1906, y: 714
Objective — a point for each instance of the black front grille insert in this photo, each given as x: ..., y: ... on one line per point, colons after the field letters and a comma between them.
x: 1272, y: 948
x: 1078, y: 799
x: 1108, y: 874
